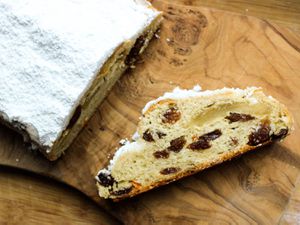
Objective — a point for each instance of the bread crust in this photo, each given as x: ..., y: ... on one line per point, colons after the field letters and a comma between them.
x: 138, y: 189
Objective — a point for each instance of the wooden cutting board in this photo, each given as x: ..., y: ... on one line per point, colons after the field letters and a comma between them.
x: 214, y: 49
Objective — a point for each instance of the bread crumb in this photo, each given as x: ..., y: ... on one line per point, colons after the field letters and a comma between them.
x: 123, y: 141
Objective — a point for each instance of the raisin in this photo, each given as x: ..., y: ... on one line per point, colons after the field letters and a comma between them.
x: 211, y: 135
x: 282, y: 134
x: 75, y: 117
x: 203, y: 141
x: 147, y: 136
x: 260, y: 136
x: 135, y: 51
x: 160, y: 134
x: 177, y: 144
x: 164, y: 154
x: 235, y: 117
x: 172, y: 115
x: 105, y: 180
x: 169, y: 170
x: 122, y: 191
x: 200, y: 144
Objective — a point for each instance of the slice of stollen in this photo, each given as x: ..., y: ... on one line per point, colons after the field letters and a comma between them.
x: 186, y: 131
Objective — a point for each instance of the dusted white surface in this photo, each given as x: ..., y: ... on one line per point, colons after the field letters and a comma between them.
x: 179, y: 93
x: 51, y: 50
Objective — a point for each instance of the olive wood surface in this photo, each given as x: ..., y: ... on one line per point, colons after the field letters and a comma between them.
x: 213, y: 48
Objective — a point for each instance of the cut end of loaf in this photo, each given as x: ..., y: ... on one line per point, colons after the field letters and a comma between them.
x: 124, y: 56
x: 186, y: 131
x: 55, y: 72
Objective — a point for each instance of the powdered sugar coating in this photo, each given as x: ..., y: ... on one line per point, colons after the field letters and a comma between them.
x: 50, y: 52
x: 179, y: 93
x: 135, y: 136
x: 128, y: 147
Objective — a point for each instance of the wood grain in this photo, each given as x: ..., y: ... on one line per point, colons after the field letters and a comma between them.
x: 215, y: 49
x: 285, y: 13
x: 36, y: 203
x: 291, y: 214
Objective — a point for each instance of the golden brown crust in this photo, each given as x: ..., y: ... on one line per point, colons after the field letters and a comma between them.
x: 137, y: 189
x: 154, y: 106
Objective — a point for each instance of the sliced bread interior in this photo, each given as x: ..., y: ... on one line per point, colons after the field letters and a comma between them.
x: 186, y: 131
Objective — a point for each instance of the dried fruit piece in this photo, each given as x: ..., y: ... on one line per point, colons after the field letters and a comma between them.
x: 147, y: 136
x: 204, y: 140
x: 105, y: 180
x: 177, y: 144
x: 199, y: 145
x: 172, y: 115
x: 164, y: 154
x: 260, y: 136
x: 134, y: 52
x: 75, y: 117
x: 122, y: 191
x: 160, y: 134
x: 235, y: 117
x: 282, y: 134
x: 169, y: 170
x: 211, y: 135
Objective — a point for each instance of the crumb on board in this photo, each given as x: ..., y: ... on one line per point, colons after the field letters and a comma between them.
x: 123, y: 141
